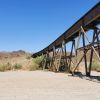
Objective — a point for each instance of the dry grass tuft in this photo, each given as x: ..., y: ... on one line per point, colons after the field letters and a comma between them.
x: 96, y: 66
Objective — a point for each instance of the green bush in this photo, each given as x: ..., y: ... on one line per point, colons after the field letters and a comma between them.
x: 38, y: 60
x: 33, y: 67
x: 96, y: 66
x: 36, y: 64
x: 17, y: 66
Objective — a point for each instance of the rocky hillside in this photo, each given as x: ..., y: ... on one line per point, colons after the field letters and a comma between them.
x: 6, y: 55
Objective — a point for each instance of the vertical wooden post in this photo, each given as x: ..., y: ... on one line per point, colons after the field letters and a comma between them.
x: 54, y: 51
x: 66, y: 64
x: 71, y: 55
x: 48, y: 59
x: 62, y: 48
x: 43, y: 62
x: 97, y: 35
x: 91, y: 55
x: 85, y: 58
x: 75, y: 49
x: 44, y: 65
x: 61, y: 52
x: 53, y: 57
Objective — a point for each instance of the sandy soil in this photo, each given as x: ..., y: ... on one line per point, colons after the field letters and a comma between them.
x: 40, y: 85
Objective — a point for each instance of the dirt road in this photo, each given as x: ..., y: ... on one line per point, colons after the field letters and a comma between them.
x: 40, y: 85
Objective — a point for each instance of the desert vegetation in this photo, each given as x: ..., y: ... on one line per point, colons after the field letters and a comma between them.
x: 8, y: 66
x: 36, y: 63
x: 28, y: 56
x: 96, y: 66
x: 17, y: 66
x: 5, y: 67
x: 19, y: 60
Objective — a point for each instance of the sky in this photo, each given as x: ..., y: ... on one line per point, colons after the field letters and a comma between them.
x: 32, y: 25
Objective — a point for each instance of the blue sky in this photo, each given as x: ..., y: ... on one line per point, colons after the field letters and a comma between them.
x: 31, y: 25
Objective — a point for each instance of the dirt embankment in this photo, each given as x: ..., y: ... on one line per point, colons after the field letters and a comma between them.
x: 16, y: 57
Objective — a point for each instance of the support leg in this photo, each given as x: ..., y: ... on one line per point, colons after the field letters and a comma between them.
x: 85, y: 58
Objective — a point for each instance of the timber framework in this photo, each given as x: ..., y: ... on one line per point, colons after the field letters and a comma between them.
x: 76, y: 33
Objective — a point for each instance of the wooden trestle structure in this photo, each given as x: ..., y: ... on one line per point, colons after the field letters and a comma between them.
x: 77, y: 32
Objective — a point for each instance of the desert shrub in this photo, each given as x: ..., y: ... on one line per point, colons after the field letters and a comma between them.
x: 38, y: 60
x: 28, y: 56
x: 8, y: 66
x: 36, y: 63
x: 2, y: 68
x: 96, y: 66
x: 33, y: 67
x: 5, y: 67
x: 17, y: 66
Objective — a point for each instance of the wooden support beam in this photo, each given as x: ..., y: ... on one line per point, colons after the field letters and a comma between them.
x: 85, y: 58
x: 71, y: 55
x: 58, y: 66
x: 78, y: 40
x: 79, y: 62
x: 75, y: 50
x: 93, y: 49
x: 66, y: 64
x: 54, y: 51
x: 91, y: 55
x: 44, y: 62
x: 89, y: 43
x: 97, y: 31
x: 53, y: 58
x: 76, y: 64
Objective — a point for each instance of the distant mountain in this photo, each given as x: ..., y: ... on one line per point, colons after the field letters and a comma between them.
x: 12, y: 54
x: 18, y: 52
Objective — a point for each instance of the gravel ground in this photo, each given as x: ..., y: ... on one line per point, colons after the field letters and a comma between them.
x: 40, y: 85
